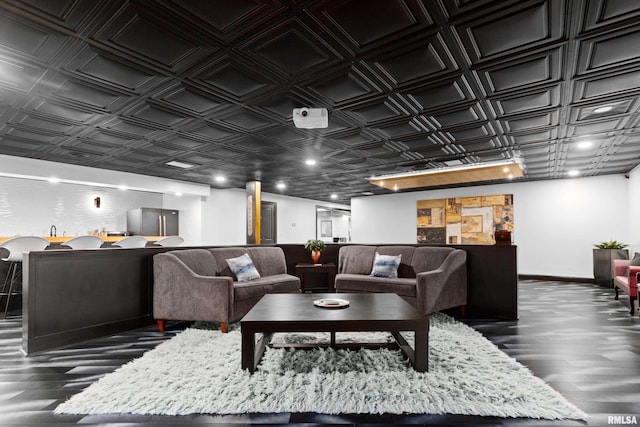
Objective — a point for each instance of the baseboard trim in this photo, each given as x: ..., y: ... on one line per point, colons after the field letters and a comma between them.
x: 556, y: 278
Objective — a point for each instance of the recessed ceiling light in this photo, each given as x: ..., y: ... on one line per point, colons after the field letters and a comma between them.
x: 178, y: 194
x: 220, y: 178
x: 573, y: 173
x: 585, y: 144
x: 122, y: 187
x: 310, y: 162
x: 54, y: 179
x: 603, y: 109
x: 180, y: 164
x: 334, y: 196
x: 281, y: 185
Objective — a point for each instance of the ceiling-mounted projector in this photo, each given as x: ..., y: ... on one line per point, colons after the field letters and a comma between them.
x: 310, y: 118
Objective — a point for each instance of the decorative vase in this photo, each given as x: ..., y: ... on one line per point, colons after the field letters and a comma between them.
x: 315, y: 256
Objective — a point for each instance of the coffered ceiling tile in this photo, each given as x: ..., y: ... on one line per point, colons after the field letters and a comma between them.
x: 138, y: 33
x: 590, y: 112
x: 460, y: 117
x: 465, y: 134
x: 611, y: 50
x: 127, y: 127
x: 387, y: 19
x: 427, y: 60
x: 45, y: 125
x: 93, y: 147
x: 531, y: 122
x: 222, y: 152
x: 545, y: 135
x: 284, y: 135
x: 400, y: 129
x: 378, y: 111
x: 527, y: 102
x: 292, y: 48
x: 620, y: 84
x: 594, y: 127
x: 28, y: 38
x: 233, y: 80
x: 356, y: 139
x: 449, y: 94
x: 34, y: 136
x: 19, y: 75
x: 107, y: 138
x: 89, y: 96
x: 208, y: 132
x: 188, y: 100
x: 513, y: 29
x: 601, y: 13
x: 246, y: 120
x: 180, y: 143
x: 536, y: 70
x: 346, y: 87
x: 102, y: 69
x: 157, y: 116
x: 226, y: 18
x: 59, y: 111
x: 17, y: 146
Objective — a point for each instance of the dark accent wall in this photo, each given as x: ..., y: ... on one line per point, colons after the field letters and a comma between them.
x: 75, y: 295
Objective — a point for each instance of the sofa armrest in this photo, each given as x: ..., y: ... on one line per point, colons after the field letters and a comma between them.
x: 444, y: 287
x: 181, y: 294
x: 620, y: 267
x: 633, y: 277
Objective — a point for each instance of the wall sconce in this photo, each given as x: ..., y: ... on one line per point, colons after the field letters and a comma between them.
x: 96, y: 202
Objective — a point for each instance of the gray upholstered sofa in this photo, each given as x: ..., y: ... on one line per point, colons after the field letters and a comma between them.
x: 197, y: 284
x: 430, y: 278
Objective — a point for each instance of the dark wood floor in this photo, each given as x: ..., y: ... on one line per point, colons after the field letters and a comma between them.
x: 572, y: 335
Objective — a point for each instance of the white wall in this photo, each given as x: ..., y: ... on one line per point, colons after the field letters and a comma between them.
x: 556, y: 222
x: 633, y: 238
x: 29, y: 207
x: 224, y: 217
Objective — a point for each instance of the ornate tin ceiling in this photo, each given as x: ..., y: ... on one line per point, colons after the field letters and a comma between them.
x: 409, y: 85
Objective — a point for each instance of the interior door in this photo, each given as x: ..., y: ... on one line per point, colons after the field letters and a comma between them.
x: 268, y: 221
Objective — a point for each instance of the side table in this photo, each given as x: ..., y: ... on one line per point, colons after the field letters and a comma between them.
x: 329, y: 269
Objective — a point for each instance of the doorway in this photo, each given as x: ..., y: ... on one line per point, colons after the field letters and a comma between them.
x: 268, y: 223
x: 333, y: 225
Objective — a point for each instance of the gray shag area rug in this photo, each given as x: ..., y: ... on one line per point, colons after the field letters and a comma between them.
x: 198, y: 371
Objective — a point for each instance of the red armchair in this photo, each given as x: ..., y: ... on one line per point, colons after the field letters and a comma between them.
x: 625, y: 277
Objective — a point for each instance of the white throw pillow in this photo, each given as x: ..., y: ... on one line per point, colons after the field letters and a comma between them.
x: 243, y: 268
x: 385, y: 266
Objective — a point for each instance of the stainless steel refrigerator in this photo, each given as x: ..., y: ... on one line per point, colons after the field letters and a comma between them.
x: 153, y: 222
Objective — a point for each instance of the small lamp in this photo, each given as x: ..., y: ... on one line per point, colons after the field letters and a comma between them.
x: 96, y: 202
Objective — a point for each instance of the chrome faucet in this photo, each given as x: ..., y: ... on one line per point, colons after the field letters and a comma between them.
x: 52, y: 231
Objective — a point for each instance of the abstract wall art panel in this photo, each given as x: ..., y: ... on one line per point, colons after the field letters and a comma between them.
x: 464, y: 220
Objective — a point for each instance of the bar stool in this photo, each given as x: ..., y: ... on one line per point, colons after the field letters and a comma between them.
x: 84, y: 242
x: 16, y: 247
x: 131, y: 242
x: 170, y: 241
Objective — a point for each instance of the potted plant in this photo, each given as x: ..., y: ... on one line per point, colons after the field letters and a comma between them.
x: 603, y: 255
x: 315, y: 247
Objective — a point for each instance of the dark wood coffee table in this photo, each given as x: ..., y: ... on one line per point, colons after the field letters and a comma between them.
x: 365, y: 313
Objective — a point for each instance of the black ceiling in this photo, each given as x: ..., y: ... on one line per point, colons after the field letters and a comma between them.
x: 409, y: 85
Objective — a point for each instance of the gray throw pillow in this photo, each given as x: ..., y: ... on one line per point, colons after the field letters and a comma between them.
x: 385, y: 266
x: 243, y: 268
x: 635, y: 260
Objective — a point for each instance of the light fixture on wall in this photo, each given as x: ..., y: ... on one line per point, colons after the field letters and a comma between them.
x: 96, y: 202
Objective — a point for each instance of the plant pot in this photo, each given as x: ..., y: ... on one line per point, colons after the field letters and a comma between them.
x: 315, y: 256
x: 603, y: 264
